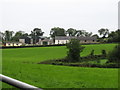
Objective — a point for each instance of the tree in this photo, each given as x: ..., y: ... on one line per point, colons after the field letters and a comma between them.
x: 2, y: 39
x: 17, y: 36
x: 25, y: 34
x: 114, y: 36
x: 8, y: 35
x: 71, y: 31
x: 87, y: 34
x: 104, y: 54
x: 92, y: 53
x: 79, y: 33
x: 36, y: 33
x: 103, y: 32
x: 74, y: 50
x: 95, y: 35
x: 56, y: 31
x: 114, y: 56
x: 118, y: 35
x: 111, y: 35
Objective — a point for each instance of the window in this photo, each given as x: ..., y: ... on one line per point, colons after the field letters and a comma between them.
x: 85, y: 40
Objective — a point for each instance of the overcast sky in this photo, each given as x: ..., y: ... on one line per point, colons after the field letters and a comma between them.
x: 89, y: 15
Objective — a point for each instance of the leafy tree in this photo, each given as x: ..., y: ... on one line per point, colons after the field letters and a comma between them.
x: 71, y: 31
x: 25, y: 34
x: 56, y: 31
x: 82, y: 33
x: 87, y: 34
x: 111, y: 34
x: 79, y: 33
x: 8, y: 35
x: 95, y: 35
x: 104, y: 53
x: 38, y: 32
x: 103, y: 32
x: 17, y: 36
x: 114, y: 36
x: 114, y: 56
x: 74, y: 50
x: 92, y: 53
x: 35, y: 33
x: 117, y: 35
x: 2, y: 39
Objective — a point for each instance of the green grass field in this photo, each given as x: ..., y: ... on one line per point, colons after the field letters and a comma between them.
x: 22, y: 64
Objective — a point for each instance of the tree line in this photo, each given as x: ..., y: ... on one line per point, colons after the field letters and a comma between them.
x: 106, y: 35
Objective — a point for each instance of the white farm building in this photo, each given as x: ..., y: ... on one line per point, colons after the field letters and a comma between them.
x: 65, y: 39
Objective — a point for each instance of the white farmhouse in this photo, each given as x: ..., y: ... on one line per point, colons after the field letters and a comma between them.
x: 65, y: 39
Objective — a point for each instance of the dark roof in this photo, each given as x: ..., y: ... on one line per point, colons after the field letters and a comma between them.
x: 25, y: 37
x: 46, y: 39
x: 63, y: 37
x: 71, y: 37
x: 87, y: 38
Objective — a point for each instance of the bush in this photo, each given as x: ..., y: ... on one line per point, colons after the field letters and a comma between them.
x: 92, y: 53
x: 104, y: 54
x: 114, y: 56
x: 74, y: 50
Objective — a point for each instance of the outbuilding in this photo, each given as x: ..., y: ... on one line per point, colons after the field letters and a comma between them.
x: 65, y: 39
x: 13, y: 44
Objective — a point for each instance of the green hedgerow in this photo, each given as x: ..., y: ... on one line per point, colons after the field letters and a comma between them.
x: 114, y: 56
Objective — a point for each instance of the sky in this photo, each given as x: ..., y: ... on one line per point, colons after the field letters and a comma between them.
x: 89, y: 15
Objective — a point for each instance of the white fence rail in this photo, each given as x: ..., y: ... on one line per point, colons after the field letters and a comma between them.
x: 16, y: 83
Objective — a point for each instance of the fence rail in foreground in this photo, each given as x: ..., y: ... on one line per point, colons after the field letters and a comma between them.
x: 16, y: 83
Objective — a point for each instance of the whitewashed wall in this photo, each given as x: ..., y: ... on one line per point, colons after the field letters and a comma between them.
x: 9, y: 44
x: 22, y: 40
x: 17, y: 44
x: 13, y: 44
x: 66, y: 41
x: 61, y: 41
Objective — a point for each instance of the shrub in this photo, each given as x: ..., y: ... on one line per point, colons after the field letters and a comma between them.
x: 114, y: 56
x: 92, y: 53
x: 74, y: 50
x: 112, y: 65
x: 104, y: 54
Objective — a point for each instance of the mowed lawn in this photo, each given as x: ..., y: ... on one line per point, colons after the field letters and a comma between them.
x: 22, y: 64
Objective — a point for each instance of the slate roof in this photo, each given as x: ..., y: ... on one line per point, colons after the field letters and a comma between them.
x: 71, y: 37
x: 24, y: 37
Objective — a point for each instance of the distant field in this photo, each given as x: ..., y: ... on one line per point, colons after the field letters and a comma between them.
x: 22, y: 64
